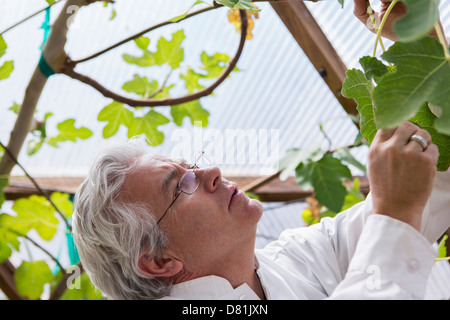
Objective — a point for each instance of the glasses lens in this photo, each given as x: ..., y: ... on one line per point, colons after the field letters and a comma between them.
x: 189, y: 182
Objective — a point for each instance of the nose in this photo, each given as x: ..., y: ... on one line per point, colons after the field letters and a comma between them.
x: 210, y: 178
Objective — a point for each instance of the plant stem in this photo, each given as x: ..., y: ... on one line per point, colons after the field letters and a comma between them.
x: 8, y: 152
x: 375, y: 28
x: 442, y: 40
x: 383, y: 21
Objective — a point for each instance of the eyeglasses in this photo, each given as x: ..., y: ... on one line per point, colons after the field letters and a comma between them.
x: 188, y: 183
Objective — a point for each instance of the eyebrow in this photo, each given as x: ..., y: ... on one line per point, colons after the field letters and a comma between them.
x: 171, y: 176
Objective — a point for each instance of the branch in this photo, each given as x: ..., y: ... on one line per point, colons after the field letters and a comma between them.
x: 137, y: 35
x: 161, y: 88
x: 28, y: 18
x: 54, y: 54
x: 68, y: 70
x: 36, y: 185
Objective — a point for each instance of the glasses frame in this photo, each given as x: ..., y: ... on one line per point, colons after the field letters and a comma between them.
x: 199, y: 156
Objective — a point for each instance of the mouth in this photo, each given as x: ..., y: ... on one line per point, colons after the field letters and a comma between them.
x: 234, y: 191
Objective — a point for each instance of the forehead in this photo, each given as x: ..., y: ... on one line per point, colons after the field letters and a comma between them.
x: 158, y: 161
x: 149, y: 176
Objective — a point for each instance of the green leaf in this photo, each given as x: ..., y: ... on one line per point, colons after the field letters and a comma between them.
x: 34, y: 145
x: 50, y: 2
x: 63, y: 202
x: 423, y: 75
x: 148, y: 125
x: 425, y: 119
x: 357, y: 86
x: 373, y: 68
x: 353, y: 196
x: 142, y: 42
x: 326, y: 177
x: 442, y: 249
x: 214, y: 65
x: 6, y: 69
x: 115, y: 114
x: 36, y: 213
x: 3, y: 46
x: 8, y: 239
x: 141, y: 86
x: 191, y: 79
x: 31, y: 277
x: 418, y: 21
x: 68, y: 132
x: 294, y: 158
x: 113, y: 14
x: 146, y: 60
x: 86, y: 290
x: 8, y: 66
x: 193, y: 110
x: 239, y: 4
x: 184, y: 14
x: 170, y: 52
x: 345, y: 155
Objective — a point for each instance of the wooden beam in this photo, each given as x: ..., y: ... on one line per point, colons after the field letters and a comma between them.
x: 269, y: 188
x: 316, y: 46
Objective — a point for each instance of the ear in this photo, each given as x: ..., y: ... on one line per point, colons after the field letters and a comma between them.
x: 165, y: 266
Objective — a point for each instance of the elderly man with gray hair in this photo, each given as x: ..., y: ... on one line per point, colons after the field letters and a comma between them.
x: 150, y: 227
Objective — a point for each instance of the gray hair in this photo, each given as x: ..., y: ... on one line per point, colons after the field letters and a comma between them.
x: 111, y: 234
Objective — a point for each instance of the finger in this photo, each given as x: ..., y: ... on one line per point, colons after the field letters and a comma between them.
x: 383, y: 135
x: 424, y: 134
x: 404, y: 132
x: 417, y: 145
x: 360, y: 10
x: 433, y: 152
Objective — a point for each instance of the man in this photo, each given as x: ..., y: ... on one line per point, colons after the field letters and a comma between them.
x: 149, y: 227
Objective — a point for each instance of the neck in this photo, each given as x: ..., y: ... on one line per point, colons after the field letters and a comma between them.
x: 244, y: 273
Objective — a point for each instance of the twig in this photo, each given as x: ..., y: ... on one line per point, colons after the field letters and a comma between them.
x: 137, y: 35
x: 161, y: 88
x: 36, y: 185
x: 68, y: 70
x: 383, y: 21
x: 442, y: 40
x: 40, y: 247
x: 28, y: 18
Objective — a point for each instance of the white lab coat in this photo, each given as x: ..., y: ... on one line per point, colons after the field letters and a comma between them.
x: 355, y: 255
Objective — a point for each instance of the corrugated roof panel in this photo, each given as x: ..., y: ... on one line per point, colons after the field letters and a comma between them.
x: 277, y: 87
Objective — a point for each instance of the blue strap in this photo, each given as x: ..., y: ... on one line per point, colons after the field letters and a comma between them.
x: 46, y: 26
x: 45, y: 68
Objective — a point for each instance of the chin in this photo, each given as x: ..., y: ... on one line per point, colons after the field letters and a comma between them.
x: 256, y: 208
